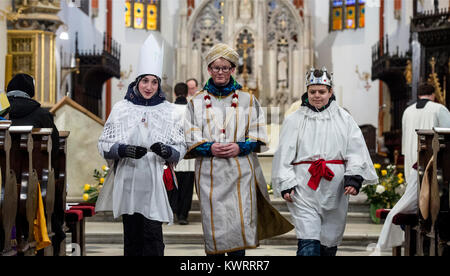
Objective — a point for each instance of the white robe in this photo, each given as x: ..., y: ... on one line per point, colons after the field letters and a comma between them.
x: 392, y: 235
x: 137, y: 185
x: 309, y: 136
x: 432, y: 115
x: 185, y: 165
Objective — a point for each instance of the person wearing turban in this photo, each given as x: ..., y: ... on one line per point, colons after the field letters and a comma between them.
x: 224, y: 129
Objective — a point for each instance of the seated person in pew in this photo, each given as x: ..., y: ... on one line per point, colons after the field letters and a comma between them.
x: 25, y: 111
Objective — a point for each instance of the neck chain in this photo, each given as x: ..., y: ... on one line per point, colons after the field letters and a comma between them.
x: 234, y: 104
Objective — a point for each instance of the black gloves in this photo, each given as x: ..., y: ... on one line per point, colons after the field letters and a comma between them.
x: 134, y: 152
x: 288, y: 191
x: 137, y: 152
x: 162, y: 150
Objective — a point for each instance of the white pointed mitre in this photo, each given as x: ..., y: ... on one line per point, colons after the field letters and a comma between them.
x: 151, y: 57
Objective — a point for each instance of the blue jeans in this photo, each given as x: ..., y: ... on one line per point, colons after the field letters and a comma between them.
x: 314, y: 248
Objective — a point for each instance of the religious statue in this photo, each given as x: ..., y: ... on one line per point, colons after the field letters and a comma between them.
x: 245, y: 9
x: 282, y: 70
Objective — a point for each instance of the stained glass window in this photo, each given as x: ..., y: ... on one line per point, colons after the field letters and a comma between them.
x: 350, y: 9
x: 362, y: 14
x: 337, y: 9
x: 347, y: 14
x: 142, y: 14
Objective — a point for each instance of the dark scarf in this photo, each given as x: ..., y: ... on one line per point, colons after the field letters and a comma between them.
x: 222, y: 91
x: 421, y: 103
x: 133, y: 95
x: 305, y: 102
x: 180, y: 100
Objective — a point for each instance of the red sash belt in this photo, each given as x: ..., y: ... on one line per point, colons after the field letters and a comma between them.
x: 319, y: 169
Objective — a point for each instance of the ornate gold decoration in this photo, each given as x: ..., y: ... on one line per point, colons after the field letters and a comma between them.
x: 364, y: 76
x: 10, y: 15
x: 32, y: 52
x: 408, y: 72
x: 434, y: 80
x: 245, y: 46
x: 123, y: 76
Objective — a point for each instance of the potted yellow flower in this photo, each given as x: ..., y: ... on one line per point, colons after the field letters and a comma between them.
x: 269, y: 188
x: 385, y: 194
x: 91, y: 192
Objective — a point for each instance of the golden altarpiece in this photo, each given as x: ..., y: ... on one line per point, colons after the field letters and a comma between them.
x: 32, y: 26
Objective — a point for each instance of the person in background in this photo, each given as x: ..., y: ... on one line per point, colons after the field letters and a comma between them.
x: 424, y: 114
x: 192, y: 87
x: 184, y: 170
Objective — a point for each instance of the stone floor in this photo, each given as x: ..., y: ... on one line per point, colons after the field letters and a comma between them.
x: 93, y: 249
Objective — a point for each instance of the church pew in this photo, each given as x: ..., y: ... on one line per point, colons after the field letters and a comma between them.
x: 42, y: 163
x: 440, y: 238
x: 407, y: 221
x: 27, y: 181
x: 60, y: 186
x: 8, y: 198
x: 425, y: 152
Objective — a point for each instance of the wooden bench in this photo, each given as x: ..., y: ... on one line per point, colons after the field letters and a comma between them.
x: 27, y: 181
x: 433, y: 233
x: 440, y: 239
x: 88, y: 210
x: 60, y: 188
x: 8, y: 198
x: 75, y: 222
x: 26, y: 162
x: 42, y: 163
x: 407, y: 221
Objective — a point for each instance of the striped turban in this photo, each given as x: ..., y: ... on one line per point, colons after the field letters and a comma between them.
x: 222, y: 51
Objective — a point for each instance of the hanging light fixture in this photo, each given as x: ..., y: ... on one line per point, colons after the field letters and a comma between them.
x: 64, y: 35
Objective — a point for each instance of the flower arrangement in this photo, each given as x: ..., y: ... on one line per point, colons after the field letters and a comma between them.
x: 389, y: 190
x: 270, y: 189
x: 91, y: 192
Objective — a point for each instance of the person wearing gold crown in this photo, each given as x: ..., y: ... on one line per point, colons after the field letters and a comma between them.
x: 142, y: 134
x: 224, y: 129
x: 322, y: 158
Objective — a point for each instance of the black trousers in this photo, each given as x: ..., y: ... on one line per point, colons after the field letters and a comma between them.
x: 142, y: 236
x: 185, y: 190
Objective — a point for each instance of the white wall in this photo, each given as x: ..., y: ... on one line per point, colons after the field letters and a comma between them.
x: 341, y: 52
x: 132, y: 40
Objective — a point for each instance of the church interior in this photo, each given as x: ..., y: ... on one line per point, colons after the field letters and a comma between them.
x: 83, y: 54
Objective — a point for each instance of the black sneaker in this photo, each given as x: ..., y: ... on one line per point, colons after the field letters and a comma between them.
x: 183, y: 222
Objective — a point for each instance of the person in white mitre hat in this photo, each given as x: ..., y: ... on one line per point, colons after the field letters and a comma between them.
x: 142, y: 135
x: 322, y: 158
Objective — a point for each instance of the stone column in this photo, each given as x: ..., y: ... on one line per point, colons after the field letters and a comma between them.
x: 272, y: 71
x: 297, y: 74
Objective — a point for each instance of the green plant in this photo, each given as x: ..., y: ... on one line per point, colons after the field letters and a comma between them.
x: 91, y: 192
